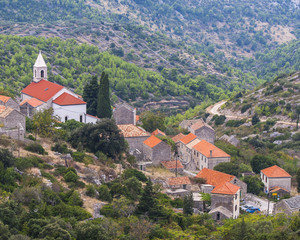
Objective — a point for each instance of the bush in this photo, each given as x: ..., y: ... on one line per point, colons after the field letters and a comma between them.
x: 90, y: 191
x: 31, y: 137
x: 70, y: 176
x: 78, y: 156
x: 245, y: 107
x: 104, y: 193
x: 128, y: 173
x: 61, y: 148
x: 36, y: 148
x: 235, y: 123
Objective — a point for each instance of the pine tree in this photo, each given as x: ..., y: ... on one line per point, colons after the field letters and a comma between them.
x: 147, y: 201
x: 103, y: 106
x: 188, y: 205
x: 90, y: 96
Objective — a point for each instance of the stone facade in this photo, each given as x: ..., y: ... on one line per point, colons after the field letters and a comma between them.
x: 205, y: 133
x: 288, y: 206
x: 136, y: 142
x: 241, y: 184
x: 158, y: 153
x: 275, y: 177
x: 124, y: 114
x: 202, y: 161
x: 10, y: 103
x: 230, y: 202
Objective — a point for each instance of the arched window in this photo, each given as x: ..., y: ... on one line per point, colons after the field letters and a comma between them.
x: 66, y: 118
x: 42, y: 73
x: 80, y: 118
x: 34, y: 73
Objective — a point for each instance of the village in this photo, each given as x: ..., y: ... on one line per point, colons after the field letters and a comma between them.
x: 186, y: 170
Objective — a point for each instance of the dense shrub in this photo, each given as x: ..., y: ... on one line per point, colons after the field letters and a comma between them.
x: 36, y: 148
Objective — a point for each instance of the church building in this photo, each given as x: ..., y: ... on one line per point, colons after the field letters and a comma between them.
x: 66, y: 104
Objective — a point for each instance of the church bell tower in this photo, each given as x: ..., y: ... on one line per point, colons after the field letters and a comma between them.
x: 39, y: 69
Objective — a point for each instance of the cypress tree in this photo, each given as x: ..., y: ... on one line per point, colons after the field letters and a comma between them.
x: 147, y: 201
x: 103, y: 106
x: 90, y: 96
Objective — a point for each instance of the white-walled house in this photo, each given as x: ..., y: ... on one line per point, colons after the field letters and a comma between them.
x: 275, y: 177
x: 66, y: 104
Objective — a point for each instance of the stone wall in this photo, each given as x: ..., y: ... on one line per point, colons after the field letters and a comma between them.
x: 123, y: 115
x: 13, y: 119
x: 212, y: 162
x: 280, y: 182
x: 205, y: 133
x: 160, y: 152
x: 241, y: 184
x: 136, y: 142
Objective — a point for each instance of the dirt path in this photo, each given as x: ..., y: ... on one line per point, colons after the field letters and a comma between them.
x: 214, y: 110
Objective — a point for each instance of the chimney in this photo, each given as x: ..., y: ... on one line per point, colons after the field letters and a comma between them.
x: 210, y: 153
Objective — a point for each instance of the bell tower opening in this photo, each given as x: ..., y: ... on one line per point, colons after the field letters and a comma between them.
x: 39, y: 69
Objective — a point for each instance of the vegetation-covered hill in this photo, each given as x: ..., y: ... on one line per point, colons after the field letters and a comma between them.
x: 279, y: 99
x: 195, y: 37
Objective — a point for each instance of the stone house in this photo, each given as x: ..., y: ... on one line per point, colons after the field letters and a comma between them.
x: 275, y: 177
x: 135, y: 136
x: 207, y: 155
x: 29, y: 106
x: 231, y: 139
x: 13, y: 121
x: 158, y: 133
x: 183, y: 151
x: 177, y: 138
x: 125, y: 114
x: 8, y: 102
x: 288, y: 206
x: 172, y: 165
x: 199, y: 128
x: 180, y: 183
x: 156, y: 150
x: 225, y: 198
x: 216, y: 178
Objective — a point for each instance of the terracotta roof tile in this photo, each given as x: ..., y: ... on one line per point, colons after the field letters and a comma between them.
x: 130, y: 130
x: 68, y: 99
x: 32, y: 102
x: 171, y: 164
x: 179, y: 180
x: 209, y: 150
x: 178, y: 137
x: 42, y: 90
x: 188, y: 138
x: 275, y: 172
x: 277, y: 188
x: 4, y: 98
x: 200, y: 124
x: 5, y: 111
x: 152, y: 141
x: 157, y: 131
x: 226, y: 188
x: 213, y: 177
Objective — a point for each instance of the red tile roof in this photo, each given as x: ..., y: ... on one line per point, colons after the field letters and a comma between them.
x: 275, y: 172
x: 152, y: 141
x: 178, y: 137
x: 277, y: 188
x: 171, y: 164
x: 226, y: 188
x: 4, y: 98
x: 179, y: 180
x: 92, y: 116
x: 209, y: 150
x: 32, y: 102
x: 188, y: 138
x: 200, y: 124
x: 213, y: 177
x: 68, y: 99
x: 137, y: 118
x: 130, y: 130
x: 42, y: 90
x: 157, y: 131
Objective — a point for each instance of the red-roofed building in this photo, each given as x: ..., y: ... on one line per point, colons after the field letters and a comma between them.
x: 178, y: 137
x: 180, y: 183
x: 29, y: 106
x: 184, y: 148
x: 216, y: 178
x: 275, y: 177
x: 156, y: 150
x: 172, y: 164
x: 8, y: 102
x: 157, y: 132
x: 225, y: 197
x: 207, y: 155
x: 66, y: 104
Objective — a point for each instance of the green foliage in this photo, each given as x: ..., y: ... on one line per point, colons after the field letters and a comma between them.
x: 78, y: 156
x: 36, y: 148
x: 103, y: 136
x: 6, y: 158
x: 229, y: 168
x: 70, y: 176
x: 152, y: 121
x: 133, y: 188
x: 219, y: 119
x: 188, y: 205
x: 298, y: 179
x: 296, y: 137
x: 260, y: 162
x: 61, y: 148
x: 255, y: 119
x: 43, y: 121
x: 103, y: 102
x: 234, y: 123
x: 90, y: 96
x: 90, y: 191
x: 104, y: 193
x: 131, y: 172
x: 254, y: 184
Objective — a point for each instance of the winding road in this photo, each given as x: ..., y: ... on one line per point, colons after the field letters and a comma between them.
x: 214, y: 110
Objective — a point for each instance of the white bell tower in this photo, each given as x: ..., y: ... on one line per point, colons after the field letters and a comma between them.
x: 39, y: 69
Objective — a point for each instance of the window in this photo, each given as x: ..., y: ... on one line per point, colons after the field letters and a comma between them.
x: 34, y: 73
x: 235, y: 196
x: 66, y: 118
x: 235, y: 207
x: 197, y: 154
x: 218, y: 216
x: 234, y: 181
x: 184, y: 186
x: 42, y: 73
x: 80, y: 118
